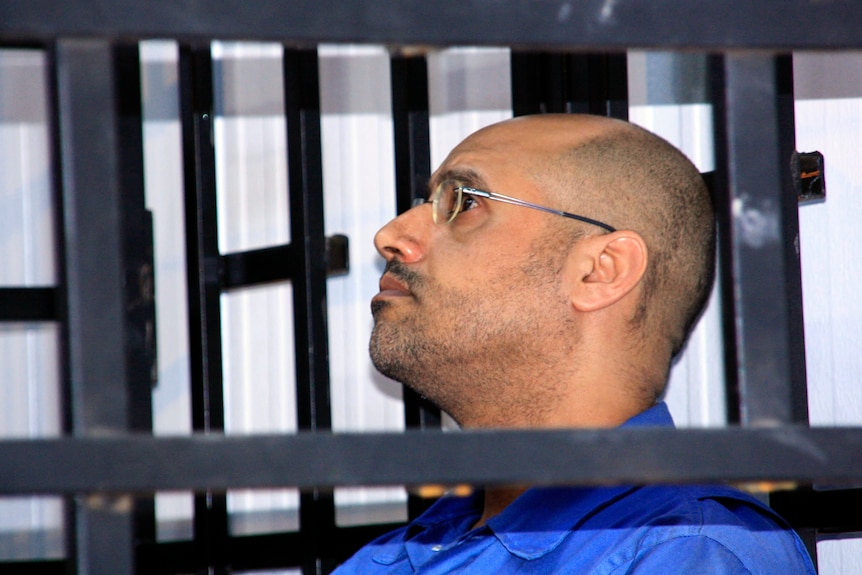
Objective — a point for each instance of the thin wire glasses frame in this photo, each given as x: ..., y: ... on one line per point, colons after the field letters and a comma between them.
x: 448, y: 201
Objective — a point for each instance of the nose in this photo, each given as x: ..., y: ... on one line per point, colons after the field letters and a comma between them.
x: 406, y: 236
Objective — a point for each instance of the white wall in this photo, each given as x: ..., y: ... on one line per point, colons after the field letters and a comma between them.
x: 29, y: 391
x: 828, y: 89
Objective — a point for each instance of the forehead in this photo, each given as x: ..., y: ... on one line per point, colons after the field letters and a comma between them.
x: 518, y: 156
x: 484, y: 162
x: 522, y: 145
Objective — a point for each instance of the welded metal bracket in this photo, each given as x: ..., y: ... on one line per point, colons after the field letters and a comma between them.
x: 809, y: 178
x: 337, y: 255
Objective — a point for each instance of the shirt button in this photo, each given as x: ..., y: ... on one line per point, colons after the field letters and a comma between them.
x: 437, y: 548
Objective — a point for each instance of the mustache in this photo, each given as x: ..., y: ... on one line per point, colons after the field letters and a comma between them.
x: 410, y: 278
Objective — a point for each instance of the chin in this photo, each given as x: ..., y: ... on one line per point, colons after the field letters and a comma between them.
x: 378, y: 306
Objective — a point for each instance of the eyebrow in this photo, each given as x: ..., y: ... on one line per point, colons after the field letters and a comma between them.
x: 466, y: 176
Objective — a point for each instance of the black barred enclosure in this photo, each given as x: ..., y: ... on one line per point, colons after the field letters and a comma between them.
x: 122, y: 102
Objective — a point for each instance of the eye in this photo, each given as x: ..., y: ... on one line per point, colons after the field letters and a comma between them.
x: 451, y: 198
x: 468, y: 202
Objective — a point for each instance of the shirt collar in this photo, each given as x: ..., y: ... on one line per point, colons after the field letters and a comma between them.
x: 656, y: 416
x: 529, y: 534
x: 537, y: 521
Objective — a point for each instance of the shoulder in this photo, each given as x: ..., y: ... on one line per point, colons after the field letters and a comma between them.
x: 715, y: 530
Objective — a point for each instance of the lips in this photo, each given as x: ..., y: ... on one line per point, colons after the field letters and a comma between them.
x: 390, y: 286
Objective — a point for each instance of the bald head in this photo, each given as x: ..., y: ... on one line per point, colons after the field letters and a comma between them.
x: 621, y: 174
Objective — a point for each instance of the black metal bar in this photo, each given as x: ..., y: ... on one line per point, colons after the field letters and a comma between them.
x: 828, y: 511
x: 242, y: 269
x: 305, y: 169
x: 254, y: 552
x: 46, y: 567
x: 204, y: 287
x: 137, y: 231
x: 308, y: 239
x: 28, y: 304
x: 607, y: 92
x: 760, y: 239
x: 579, y: 24
x: 790, y: 224
x: 276, y: 263
x: 410, y: 116
x: 717, y: 183
x: 537, y: 83
x: 91, y: 161
x: 57, y: 162
x: 246, y: 553
x: 411, y: 130
x: 798, y: 389
x: 556, y: 82
x: 196, y: 103
x: 321, y: 460
x: 138, y: 262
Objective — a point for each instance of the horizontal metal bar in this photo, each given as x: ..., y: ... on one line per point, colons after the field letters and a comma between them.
x: 827, y: 510
x: 253, y: 267
x: 36, y: 567
x: 28, y: 304
x: 278, y: 263
x: 588, y: 457
x: 254, y: 552
x: 598, y: 24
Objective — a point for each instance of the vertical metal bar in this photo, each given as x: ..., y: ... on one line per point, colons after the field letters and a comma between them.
x: 792, y: 259
x: 137, y: 238
x: 89, y: 159
x: 61, y: 298
x: 305, y: 179
x: 537, y: 83
x: 137, y: 231
x: 760, y: 236
x: 799, y: 384
x: 570, y: 83
x: 411, y: 130
x: 204, y: 287
x: 608, y: 93
x: 409, y: 78
x: 723, y: 211
x: 410, y: 117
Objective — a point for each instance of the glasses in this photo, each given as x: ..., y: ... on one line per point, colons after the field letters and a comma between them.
x: 451, y: 196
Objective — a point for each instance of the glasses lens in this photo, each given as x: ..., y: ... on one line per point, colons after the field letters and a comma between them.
x: 446, y: 201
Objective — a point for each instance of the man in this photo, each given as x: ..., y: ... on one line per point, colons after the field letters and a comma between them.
x: 554, y: 273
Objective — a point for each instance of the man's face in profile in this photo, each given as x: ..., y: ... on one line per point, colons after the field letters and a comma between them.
x: 461, y: 302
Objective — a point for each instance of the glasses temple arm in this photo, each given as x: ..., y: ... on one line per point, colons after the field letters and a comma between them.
x: 517, y: 202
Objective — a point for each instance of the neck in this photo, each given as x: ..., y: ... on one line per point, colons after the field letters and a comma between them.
x: 496, y: 500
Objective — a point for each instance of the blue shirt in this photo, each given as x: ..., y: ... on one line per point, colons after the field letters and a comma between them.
x: 649, y: 530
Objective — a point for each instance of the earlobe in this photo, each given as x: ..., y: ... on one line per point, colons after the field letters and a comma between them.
x: 610, y: 267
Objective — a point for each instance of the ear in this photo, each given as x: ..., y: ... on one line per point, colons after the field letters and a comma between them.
x: 605, y: 269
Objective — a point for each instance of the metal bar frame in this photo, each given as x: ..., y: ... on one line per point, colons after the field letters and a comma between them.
x: 559, y: 82
x: 579, y: 24
x: 773, y: 450
x: 28, y: 304
x: 759, y: 231
x: 276, y: 264
x: 197, y: 112
x: 412, y: 139
x: 411, y: 134
x: 311, y: 343
x: 761, y: 284
x: 780, y: 457
x: 252, y: 552
x: 92, y: 154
